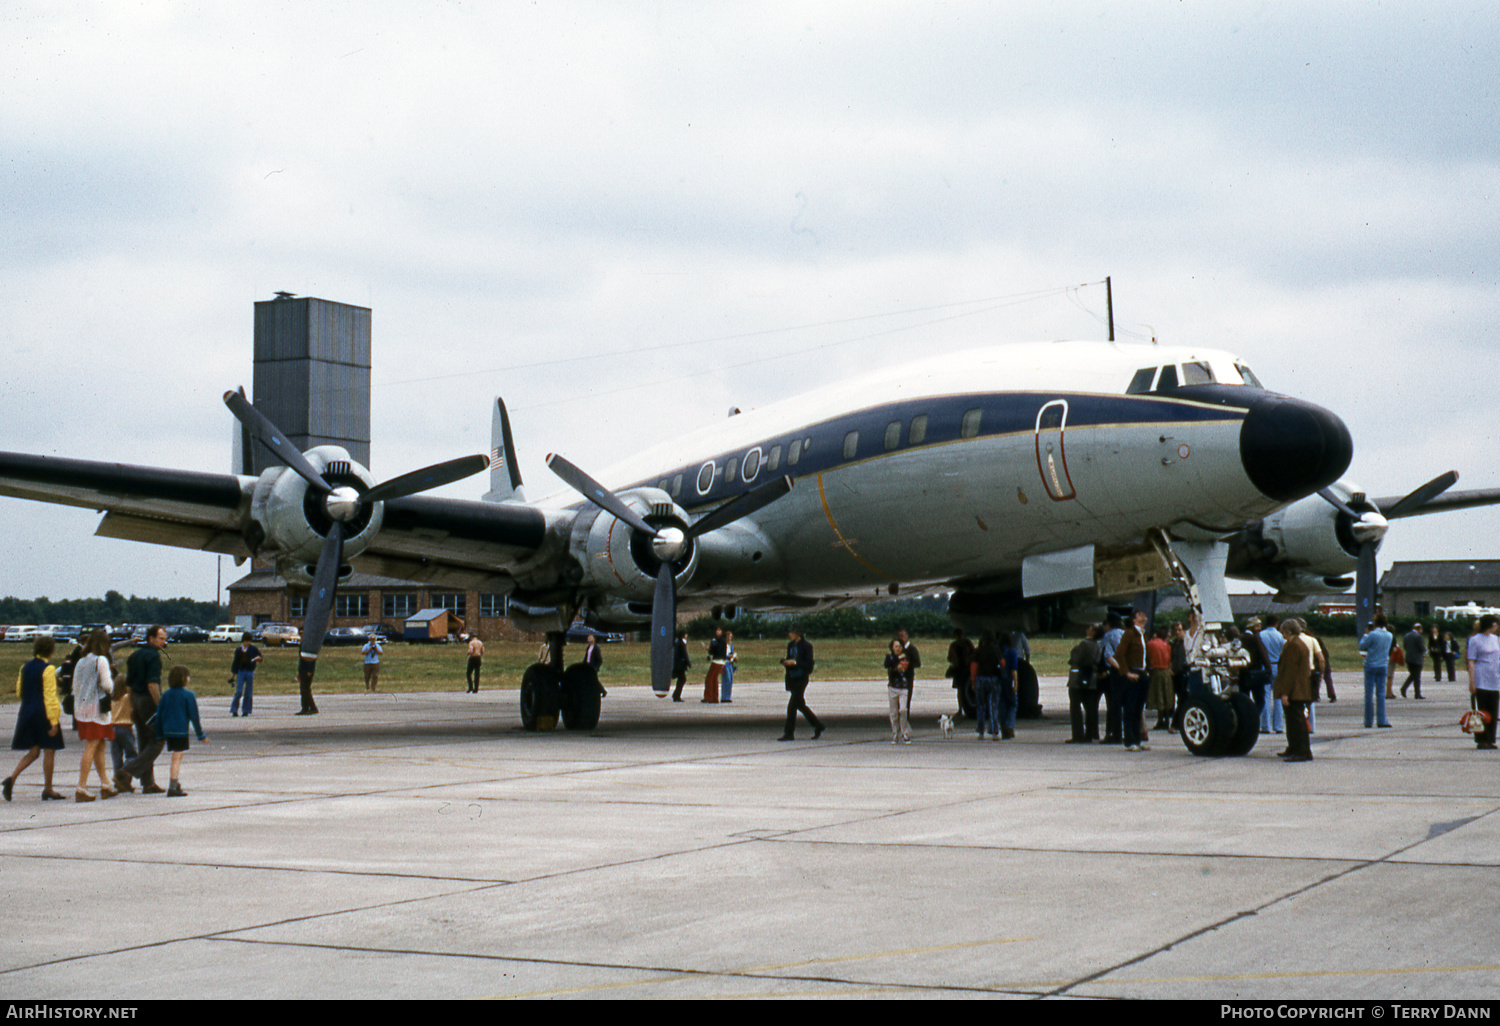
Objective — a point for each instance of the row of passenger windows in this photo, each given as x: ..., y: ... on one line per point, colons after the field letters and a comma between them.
x: 749, y: 467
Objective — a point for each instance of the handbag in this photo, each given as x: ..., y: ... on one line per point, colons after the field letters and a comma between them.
x: 1475, y: 720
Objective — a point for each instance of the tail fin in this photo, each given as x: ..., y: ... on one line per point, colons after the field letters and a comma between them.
x: 505, y: 472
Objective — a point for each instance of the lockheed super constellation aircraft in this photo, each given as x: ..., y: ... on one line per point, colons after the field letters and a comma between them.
x: 1034, y: 482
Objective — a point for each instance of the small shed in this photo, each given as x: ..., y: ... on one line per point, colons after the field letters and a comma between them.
x: 431, y: 625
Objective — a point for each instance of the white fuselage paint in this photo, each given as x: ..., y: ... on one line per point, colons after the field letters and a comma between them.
x: 954, y: 508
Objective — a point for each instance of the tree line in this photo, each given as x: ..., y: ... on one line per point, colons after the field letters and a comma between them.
x: 113, y: 608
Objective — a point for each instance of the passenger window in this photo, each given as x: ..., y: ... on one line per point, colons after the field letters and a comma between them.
x: 918, y: 433
x: 970, y: 424
x: 751, y: 466
x: 1141, y: 382
x: 794, y: 453
x: 851, y: 445
x: 662, y: 484
x: 892, y: 435
x: 706, y: 478
x: 1168, y: 378
x: 676, y: 486
x: 774, y: 460
x: 729, y: 469
x: 1197, y: 373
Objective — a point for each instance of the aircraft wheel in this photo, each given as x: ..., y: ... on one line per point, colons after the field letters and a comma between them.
x: 580, y: 697
x: 1246, y: 724
x: 1207, y: 724
x: 540, y: 697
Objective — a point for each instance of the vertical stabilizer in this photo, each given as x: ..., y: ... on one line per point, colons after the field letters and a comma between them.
x: 505, y: 472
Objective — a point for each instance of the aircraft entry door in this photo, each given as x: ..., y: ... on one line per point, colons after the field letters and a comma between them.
x: 1051, y: 419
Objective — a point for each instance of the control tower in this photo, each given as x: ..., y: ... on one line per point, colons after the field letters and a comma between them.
x: 312, y: 377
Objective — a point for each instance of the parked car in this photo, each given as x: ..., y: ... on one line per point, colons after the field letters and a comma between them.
x: 230, y: 632
x: 185, y: 632
x: 52, y: 630
x: 280, y: 634
x: 345, y: 636
x: 581, y: 632
x: 386, y: 631
x: 21, y: 632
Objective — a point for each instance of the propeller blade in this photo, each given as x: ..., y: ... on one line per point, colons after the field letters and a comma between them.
x: 324, y: 587
x: 746, y: 504
x: 428, y: 477
x: 1364, y: 587
x: 663, y: 629
x: 274, y: 439
x: 1338, y: 504
x: 597, y: 493
x: 1422, y: 496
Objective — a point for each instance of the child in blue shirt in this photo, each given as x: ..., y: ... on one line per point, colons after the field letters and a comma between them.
x: 177, y: 710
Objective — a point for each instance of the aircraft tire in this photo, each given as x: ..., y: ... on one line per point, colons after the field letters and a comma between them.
x: 580, y: 697
x: 1207, y: 724
x: 540, y: 697
x: 1246, y: 725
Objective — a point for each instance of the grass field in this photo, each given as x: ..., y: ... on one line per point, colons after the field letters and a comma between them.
x: 441, y: 667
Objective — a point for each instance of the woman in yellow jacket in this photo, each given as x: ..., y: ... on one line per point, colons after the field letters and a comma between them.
x: 39, y: 723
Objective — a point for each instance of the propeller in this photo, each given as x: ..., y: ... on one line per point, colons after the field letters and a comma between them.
x: 669, y: 544
x: 1368, y: 529
x: 342, y: 504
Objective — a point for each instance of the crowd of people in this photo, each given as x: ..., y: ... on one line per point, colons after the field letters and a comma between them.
x: 128, y: 709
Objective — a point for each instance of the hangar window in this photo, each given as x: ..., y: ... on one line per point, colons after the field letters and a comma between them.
x: 1168, y: 378
x: 705, y: 478
x: 492, y: 605
x: 456, y: 602
x: 969, y: 427
x: 851, y: 445
x: 773, y: 461
x: 751, y: 468
x: 1197, y: 373
x: 296, y: 606
x: 676, y: 486
x: 918, y: 433
x: 730, y: 468
x: 351, y: 605
x: 892, y: 435
x: 1142, y: 381
x: 398, y: 605
x: 794, y: 453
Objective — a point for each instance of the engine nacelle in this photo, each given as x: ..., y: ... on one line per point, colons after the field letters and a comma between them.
x: 292, y: 519
x: 1310, y: 547
x: 616, y: 559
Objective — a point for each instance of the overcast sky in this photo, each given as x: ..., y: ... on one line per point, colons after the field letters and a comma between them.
x: 625, y: 218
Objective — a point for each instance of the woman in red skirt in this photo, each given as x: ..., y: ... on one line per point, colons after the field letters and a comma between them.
x: 92, y: 684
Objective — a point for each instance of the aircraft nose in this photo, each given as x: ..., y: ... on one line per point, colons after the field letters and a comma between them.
x: 1291, y: 448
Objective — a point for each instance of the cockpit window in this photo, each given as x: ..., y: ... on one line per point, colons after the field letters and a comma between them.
x: 1141, y: 382
x: 1168, y: 378
x: 1249, y: 378
x: 1197, y: 374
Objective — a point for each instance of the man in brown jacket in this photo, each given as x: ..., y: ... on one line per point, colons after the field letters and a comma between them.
x: 1130, y: 662
x: 1293, y: 688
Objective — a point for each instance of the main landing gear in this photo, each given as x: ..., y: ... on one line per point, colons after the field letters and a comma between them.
x: 550, y: 693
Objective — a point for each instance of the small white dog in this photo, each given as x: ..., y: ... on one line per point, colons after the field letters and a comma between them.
x: 945, y: 724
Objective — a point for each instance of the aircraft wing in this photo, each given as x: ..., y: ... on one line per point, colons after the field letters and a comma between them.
x: 424, y: 538
x: 186, y: 508
x: 453, y: 541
